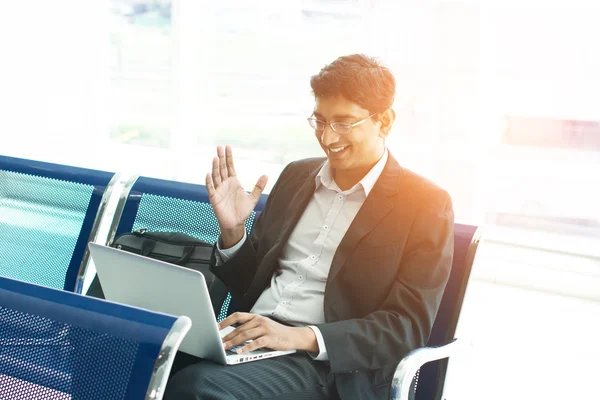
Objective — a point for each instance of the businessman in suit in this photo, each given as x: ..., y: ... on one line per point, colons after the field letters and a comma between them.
x: 347, y: 263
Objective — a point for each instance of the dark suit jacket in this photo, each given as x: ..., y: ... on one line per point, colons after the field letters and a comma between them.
x: 386, y: 279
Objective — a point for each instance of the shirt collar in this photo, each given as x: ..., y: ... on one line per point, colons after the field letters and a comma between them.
x: 325, y: 177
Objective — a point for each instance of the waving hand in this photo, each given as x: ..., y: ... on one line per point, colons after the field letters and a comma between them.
x: 230, y: 202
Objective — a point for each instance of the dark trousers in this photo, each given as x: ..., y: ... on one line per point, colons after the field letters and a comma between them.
x: 294, y: 376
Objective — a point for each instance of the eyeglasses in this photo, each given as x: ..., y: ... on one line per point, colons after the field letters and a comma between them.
x: 342, y: 128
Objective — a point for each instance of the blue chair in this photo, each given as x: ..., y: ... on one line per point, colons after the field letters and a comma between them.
x: 168, y: 206
x: 56, y: 344
x: 48, y: 214
x: 421, y: 374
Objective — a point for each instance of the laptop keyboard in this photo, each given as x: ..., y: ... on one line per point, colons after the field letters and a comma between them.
x: 232, y: 350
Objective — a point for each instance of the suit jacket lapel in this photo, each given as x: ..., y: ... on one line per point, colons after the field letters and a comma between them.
x: 374, y: 209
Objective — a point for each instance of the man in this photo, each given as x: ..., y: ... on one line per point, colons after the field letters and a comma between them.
x: 347, y: 263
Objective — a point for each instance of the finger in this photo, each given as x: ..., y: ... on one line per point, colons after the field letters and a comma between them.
x: 216, y: 176
x: 222, y: 163
x: 229, y: 160
x: 251, y: 334
x: 241, y: 330
x: 236, y: 317
x: 258, y: 188
x: 210, y: 187
x: 259, y: 343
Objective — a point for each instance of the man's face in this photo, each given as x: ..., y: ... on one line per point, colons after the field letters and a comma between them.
x: 361, y: 148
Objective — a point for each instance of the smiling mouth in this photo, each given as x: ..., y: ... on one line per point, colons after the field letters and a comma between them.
x: 336, y: 149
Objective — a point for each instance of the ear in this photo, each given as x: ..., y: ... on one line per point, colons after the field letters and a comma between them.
x: 387, y: 119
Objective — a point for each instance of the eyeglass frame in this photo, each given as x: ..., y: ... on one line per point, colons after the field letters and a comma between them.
x: 330, y: 124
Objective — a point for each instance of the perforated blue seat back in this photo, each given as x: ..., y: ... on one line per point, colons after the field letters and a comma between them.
x: 55, y: 344
x: 168, y: 206
x: 431, y: 375
x: 168, y: 214
x: 46, y: 216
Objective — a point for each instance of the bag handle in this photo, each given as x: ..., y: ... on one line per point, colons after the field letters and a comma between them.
x: 187, y: 254
x: 147, y: 247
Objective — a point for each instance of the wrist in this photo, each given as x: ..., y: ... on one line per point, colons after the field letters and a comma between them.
x: 231, y: 237
x: 307, y: 340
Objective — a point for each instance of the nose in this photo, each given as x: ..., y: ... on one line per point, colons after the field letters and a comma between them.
x: 329, y: 136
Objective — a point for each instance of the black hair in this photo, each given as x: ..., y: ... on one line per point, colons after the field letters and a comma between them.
x: 358, y: 78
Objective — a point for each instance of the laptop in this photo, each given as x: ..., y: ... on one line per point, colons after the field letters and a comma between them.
x: 155, y: 285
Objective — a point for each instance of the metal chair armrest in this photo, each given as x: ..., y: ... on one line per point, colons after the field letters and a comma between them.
x: 168, y: 351
x: 408, y: 367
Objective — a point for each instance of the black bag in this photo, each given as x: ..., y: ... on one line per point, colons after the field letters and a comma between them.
x: 175, y: 248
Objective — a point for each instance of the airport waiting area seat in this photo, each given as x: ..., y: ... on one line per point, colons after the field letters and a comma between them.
x: 49, y: 206
x: 422, y: 373
x: 60, y: 345
x: 48, y: 213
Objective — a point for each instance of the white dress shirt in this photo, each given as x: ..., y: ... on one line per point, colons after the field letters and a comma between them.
x: 297, y: 290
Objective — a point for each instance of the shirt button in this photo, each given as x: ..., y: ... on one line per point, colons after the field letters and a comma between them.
x: 313, y: 257
x: 340, y: 197
x: 300, y: 277
x: 326, y: 227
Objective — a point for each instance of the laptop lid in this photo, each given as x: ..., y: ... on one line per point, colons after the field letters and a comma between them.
x: 159, y: 286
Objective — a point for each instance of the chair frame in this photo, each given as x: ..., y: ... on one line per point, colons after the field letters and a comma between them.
x: 407, y: 373
x: 166, y: 356
x: 123, y: 193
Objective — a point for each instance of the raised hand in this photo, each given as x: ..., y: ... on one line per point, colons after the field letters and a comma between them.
x: 230, y: 202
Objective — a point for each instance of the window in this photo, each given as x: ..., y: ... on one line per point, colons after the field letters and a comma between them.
x: 552, y: 133
x: 139, y: 101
